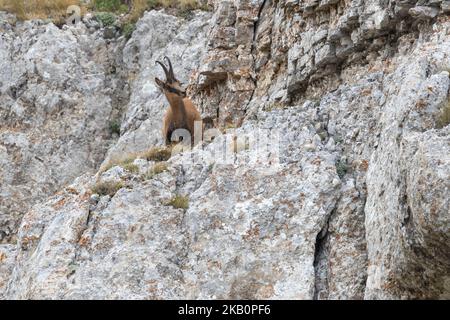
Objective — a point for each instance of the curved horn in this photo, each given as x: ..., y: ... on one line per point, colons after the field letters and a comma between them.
x: 170, y: 66
x: 165, y: 70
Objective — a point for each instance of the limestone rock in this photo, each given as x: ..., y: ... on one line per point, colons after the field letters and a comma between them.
x: 328, y: 177
x: 57, y: 100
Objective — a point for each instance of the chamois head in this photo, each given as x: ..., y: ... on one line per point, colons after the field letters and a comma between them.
x: 171, y: 87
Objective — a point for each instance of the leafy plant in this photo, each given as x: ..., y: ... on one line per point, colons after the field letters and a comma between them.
x: 107, y: 19
x: 128, y: 29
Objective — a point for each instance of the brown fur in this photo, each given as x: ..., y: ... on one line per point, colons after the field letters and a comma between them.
x: 182, y: 113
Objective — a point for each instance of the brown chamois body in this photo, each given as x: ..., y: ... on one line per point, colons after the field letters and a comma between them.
x: 182, y: 113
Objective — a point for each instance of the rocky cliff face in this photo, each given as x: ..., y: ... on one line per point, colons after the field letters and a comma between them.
x: 344, y: 194
x: 59, y: 93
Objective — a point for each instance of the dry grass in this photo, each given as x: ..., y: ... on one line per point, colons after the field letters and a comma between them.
x: 39, y: 9
x: 444, y: 117
x: 114, y: 6
x: 121, y: 162
x: 56, y: 10
x: 108, y: 188
x: 158, y: 154
x: 156, y: 169
x: 182, y: 7
x: 138, y: 9
x: 130, y: 167
x: 179, y: 4
x: 179, y: 202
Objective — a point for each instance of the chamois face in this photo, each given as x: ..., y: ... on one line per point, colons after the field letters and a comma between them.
x: 171, y: 87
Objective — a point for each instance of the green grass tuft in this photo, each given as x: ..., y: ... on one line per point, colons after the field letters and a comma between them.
x: 114, y: 127
x: 128, y: 29
x: 107, y: 19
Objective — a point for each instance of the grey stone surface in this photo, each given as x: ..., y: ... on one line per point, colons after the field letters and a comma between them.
x: 57, y: 99
x: 354, y: 204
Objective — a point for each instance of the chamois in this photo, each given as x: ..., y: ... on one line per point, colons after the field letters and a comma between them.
x: 182, y: 113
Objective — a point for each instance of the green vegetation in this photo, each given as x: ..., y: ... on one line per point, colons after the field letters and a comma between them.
x: 114, y: 127
x: 105, y: 10
x: 341, y: 168
x: 128, y: 29
x: 179, y: 202
x: 178, y: 4
x: 109, y: 188
x: 182, y: 8
x: 107, y: 19
x: 114, y: 6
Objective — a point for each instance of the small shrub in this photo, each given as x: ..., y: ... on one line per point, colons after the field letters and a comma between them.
x: 158, y: 154
x: 128, y: 29
x: 114, y: 127
x: 179, y: 202
x: 109, y: 188
x: 107, y: 19
x: 341, y: 168
x: 156, y: 169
